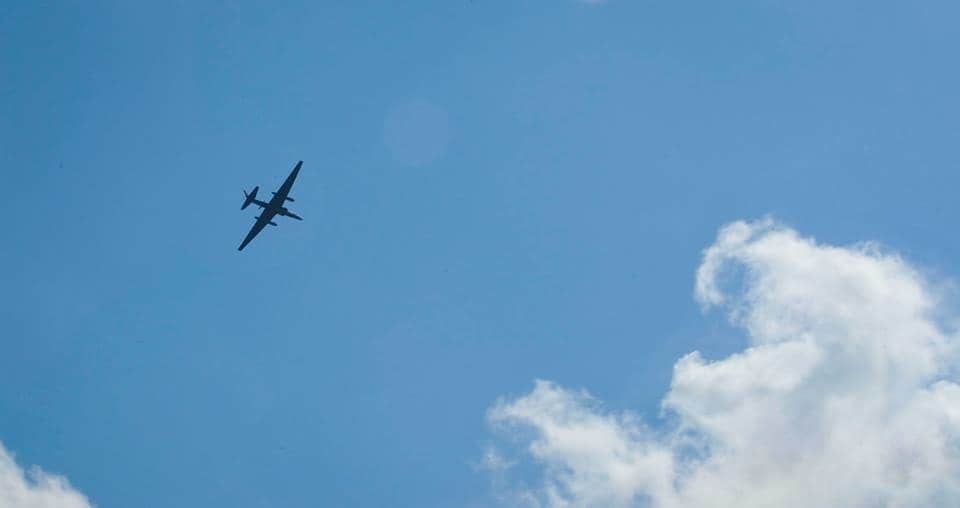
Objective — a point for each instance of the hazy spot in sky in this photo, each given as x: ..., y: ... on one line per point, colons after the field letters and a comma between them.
x: 416, y: 132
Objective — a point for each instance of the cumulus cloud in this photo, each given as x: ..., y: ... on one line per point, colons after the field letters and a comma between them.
x: 35, y: 488
x: 842, y: 397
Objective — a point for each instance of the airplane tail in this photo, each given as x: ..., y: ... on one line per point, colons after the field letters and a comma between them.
x: 249, y: 198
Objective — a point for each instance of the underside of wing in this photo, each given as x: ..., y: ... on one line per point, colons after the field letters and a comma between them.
x: 257, y: 227
x: 284, y: 189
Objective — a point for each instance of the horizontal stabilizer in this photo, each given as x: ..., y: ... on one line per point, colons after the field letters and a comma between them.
x: 249, y: 198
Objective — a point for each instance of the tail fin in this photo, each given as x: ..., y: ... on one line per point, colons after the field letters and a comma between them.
x: 248, y: 198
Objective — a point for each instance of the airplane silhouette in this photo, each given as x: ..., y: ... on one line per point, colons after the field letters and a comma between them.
x: 272, y: 208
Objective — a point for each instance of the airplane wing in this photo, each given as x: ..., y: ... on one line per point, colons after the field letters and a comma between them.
x: 258, y: 226
x: 288, y: 183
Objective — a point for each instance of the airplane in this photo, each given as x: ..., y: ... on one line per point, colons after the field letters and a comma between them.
x: 272, y: 208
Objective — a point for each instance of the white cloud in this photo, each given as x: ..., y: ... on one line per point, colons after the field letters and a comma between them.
x: 35, y: 488
x: 841, y: 397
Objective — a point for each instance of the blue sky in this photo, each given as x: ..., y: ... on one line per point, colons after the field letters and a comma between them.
x: 494, y: 192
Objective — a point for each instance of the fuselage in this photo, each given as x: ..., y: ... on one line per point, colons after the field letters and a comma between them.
x: 274, y: 207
